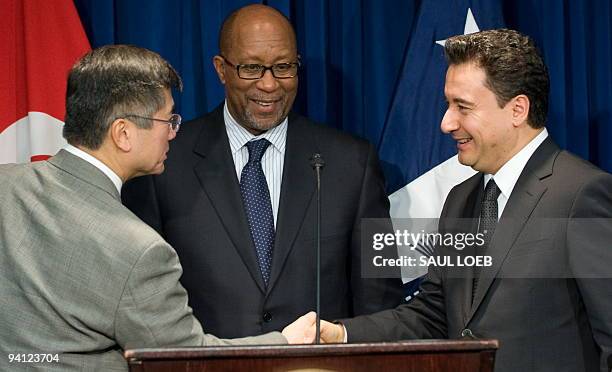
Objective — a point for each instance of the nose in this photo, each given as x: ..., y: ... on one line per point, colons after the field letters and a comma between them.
x: 268, y: 82
x: 449, y: 122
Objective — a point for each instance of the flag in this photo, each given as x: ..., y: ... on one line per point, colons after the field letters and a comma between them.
x: 420, y: 163
x: 41, y: 41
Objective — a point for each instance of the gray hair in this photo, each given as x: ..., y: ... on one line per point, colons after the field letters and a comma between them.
x: 112, y: 81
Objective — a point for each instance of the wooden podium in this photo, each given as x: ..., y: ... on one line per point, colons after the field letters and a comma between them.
x: 419, y: 355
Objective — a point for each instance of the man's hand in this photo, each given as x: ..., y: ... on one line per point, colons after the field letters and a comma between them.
x: 331, y: 333
x: 301, y: 331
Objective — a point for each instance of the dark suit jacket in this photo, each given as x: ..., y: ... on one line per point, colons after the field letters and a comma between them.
x: 196, y: 206
x: 548, y: 295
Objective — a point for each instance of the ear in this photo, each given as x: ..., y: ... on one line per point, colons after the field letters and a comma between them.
x: 220, y: 68
x: 121, y: 132
x: 520, y: 109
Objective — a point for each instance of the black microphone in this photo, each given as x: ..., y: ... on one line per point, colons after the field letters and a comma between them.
x: 317, y: 162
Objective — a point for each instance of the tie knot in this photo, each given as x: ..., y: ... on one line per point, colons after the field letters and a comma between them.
x: 491, y: 191
x: 257, y: 149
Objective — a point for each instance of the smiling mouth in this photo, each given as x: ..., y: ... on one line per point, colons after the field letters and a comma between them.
x: 265, y: 103
x: 464, y: 141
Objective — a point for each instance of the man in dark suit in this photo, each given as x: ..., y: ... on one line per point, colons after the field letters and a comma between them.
x: 545, y: 215
x: 238, y: 204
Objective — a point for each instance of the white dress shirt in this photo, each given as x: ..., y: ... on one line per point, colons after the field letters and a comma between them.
x: 509, y: 173
x: 272, y: 160
x: 96, y: 163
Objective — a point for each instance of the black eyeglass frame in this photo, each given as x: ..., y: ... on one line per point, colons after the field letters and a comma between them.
x: 174, y: 121
x: 297, y: 64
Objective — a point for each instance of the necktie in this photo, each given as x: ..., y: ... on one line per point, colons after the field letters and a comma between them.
x: 257, y: 205
x: 486, y: 225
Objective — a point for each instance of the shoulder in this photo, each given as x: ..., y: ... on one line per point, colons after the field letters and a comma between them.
x: 27, y: 180
x: 588, y: 187
x: 575, y: 169
x: 327, y: 138
x: 465, y: 187
x: 195, y: 138
x: 11, y: 172
x: 195, y: 126
x: 571, y: 176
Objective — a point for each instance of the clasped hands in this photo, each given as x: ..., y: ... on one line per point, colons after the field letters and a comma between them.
x: 303, y: 330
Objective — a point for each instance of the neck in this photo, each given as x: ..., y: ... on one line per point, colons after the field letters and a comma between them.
x: 524, y: 137
x: 109, y: 159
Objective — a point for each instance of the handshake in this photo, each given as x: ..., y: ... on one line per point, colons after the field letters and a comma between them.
x: 303, y: 331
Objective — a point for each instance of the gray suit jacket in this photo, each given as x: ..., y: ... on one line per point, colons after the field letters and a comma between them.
x: 82, y: 276
x: 548, y: 295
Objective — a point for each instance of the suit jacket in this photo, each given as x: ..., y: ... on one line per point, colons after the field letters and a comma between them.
x: 82, y: 276
x: 547, y: 296
x: 197, y: 207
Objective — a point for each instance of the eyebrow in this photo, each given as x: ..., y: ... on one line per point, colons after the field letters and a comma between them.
x: 463, y: 101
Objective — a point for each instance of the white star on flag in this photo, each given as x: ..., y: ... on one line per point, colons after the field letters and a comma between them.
x: 470, y: 26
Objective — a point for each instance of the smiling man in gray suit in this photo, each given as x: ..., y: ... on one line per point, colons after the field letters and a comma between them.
x: 81, y: 277
x: 547, y: 296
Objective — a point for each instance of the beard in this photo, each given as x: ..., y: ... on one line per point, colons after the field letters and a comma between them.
x: 263, y: 125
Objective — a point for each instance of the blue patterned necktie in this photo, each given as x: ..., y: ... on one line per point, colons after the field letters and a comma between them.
x: 257, y: 205
x: 487, y: 224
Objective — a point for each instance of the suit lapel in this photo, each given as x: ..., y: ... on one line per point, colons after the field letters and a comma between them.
x: 216, y: 173
x: 462, y: 214
x: 297, y: 190
x: 524, y: 198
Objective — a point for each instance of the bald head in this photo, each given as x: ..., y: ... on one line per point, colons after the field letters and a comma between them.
x: 257, y: 37
x: 251, y: 19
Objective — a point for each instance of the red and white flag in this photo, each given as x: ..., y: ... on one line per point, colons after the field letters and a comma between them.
x: 41, y: 40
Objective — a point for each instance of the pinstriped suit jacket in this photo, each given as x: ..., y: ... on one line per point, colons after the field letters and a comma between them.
x: 82, y: 276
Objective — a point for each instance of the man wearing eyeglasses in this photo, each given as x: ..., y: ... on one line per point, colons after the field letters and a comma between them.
x: 81, y: 277
x: 237, y: 199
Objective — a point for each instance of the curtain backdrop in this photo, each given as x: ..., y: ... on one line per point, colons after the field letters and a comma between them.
x: 353, y: 51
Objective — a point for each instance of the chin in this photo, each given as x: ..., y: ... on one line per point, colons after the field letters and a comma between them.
x: 264, y: 124
x: 267, y: 126
x: 158, y: 169
x: 463, y: 160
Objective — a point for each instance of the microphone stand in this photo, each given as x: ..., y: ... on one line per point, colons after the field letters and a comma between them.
x: 317, y: 162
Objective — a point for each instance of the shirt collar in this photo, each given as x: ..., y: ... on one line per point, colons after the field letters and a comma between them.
x: 509, y: 173
x: 96, y: 163
x: 239, y: 136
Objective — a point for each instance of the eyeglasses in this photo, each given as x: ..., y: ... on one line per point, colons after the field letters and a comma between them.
x: 252, y: 71
x: 174, y: 121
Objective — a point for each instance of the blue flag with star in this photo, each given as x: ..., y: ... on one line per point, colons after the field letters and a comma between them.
x: 420, y: 162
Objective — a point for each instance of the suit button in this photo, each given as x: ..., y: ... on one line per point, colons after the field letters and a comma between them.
x: 467, y: 333
x: 267, y: 317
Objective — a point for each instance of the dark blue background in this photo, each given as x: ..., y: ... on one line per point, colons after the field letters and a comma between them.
x: 353, y: 52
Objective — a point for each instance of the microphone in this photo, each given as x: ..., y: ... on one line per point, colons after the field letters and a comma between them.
x: 317, y: 162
